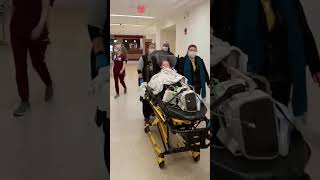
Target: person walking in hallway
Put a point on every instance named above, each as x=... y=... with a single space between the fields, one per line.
x=279 y=44
x=119 y=68
x=29 y=34
x=97 y=27
x=194 y=69
x=143 y=77
x=166 y=48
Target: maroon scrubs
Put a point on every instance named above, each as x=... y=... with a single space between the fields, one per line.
x=25 y=18
x=118 y=64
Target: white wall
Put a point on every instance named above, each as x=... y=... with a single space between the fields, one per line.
x=198 y=25
x=170 y=36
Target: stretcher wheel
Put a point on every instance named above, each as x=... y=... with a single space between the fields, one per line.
x=196 y=156
x=161 y=165
x=161 y=161
x=146 y=129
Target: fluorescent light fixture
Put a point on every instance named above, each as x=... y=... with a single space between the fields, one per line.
x=131 y=16
x=126 y=25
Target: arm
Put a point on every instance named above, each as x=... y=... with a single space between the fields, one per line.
x=44 y=13
x=313 y=60
x=36 y=32
x=124 y=63
x=140 y=67
x=206 y=72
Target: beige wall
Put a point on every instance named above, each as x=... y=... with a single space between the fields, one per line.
x=169 y=35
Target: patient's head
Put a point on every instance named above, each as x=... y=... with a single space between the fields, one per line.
x=164 y=63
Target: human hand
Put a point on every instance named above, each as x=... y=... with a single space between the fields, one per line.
x=36 y=32
x=97 y=45
x=316 y=78
x=140 y=81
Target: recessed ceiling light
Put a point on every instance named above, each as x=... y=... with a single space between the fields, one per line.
x=131 y=16
x=138 y=25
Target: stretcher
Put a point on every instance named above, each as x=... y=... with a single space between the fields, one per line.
x=192 y=128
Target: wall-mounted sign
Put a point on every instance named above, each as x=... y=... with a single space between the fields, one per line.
x=141 y=9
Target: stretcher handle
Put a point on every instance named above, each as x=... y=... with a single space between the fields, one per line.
x=229 y=93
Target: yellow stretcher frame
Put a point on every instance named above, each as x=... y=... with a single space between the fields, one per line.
x=162 y=124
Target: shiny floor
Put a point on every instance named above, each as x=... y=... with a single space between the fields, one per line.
x=132 y=155
x=58 y=140
x=131 y=149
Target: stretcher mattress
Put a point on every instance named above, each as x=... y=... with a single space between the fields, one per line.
x=178 y=113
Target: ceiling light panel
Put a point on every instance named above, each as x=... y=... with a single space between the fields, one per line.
x=131 y=16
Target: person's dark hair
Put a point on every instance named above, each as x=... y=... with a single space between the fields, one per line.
x=164 y=59
x=192 y=45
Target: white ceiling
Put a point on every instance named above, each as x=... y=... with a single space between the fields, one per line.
x=155 y=8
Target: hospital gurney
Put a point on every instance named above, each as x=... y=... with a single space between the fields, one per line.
x=172 y=121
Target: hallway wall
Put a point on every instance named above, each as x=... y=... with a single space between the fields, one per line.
x=169 y=35
x=198 y=32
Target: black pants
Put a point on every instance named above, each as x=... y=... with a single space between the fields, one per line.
x=21 y=46
x=146 y=108
x=101 y=118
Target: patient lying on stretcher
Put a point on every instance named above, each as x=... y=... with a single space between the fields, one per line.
x=167 y=76
x=171 y=88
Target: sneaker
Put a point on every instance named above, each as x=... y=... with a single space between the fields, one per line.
x=116 y=96
x=21 y=109
x=125 y=90
x=48 y=93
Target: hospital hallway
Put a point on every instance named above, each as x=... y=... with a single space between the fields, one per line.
x=57 y=140
x=131 y=148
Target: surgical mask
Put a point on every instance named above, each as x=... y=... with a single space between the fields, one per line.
x=165 y=48
x=151 y=51
x=192 y=54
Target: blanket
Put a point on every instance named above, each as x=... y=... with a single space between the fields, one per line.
x=166 y=76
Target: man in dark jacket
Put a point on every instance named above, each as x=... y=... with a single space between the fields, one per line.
x=97 y=30
x=278 y=41
x=142 y=68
